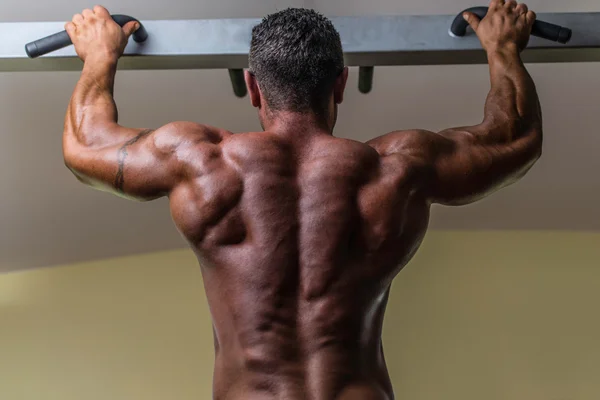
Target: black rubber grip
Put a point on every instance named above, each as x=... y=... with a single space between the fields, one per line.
x=365 y=79
x=238 y=82
x=541 y=29
x=61 y=39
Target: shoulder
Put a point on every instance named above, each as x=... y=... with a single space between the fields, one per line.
x=180 y=139
x=341 y=148
x=192 y=132
x=412 y=142
x=411 y=154
x=189 y=146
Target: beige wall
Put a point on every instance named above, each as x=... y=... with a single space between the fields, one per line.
x=477 y=315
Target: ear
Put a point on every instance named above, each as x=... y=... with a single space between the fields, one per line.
x=253 y=89
x=340 y=86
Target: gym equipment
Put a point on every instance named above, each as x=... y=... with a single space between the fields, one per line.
x=368 y=41
x=540 y=29
x=61 y=39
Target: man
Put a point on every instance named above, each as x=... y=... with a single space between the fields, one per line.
x=300 y=234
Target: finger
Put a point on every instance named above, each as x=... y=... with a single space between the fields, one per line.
x=87 y=14
x=101 y=12
x=77 y=19
x=472 y=19
x=70 y=28
x=130 y=27
x=531 y=17
x=522 y=9
x=497 y=3
x=510 y=4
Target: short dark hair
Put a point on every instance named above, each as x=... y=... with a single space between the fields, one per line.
x=296 y=57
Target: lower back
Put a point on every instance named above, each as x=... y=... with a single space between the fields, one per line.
x=336 y=372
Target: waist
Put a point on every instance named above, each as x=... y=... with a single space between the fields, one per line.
x=330 y=373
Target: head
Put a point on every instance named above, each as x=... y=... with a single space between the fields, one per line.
x=296 y=66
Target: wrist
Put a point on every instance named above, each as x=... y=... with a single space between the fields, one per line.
x=100 y=65
x=99 y=71
x=102 y=58
x=509 y=50
x=503 y=57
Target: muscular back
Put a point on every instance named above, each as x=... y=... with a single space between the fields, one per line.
x=299 y=241
x=299 y=234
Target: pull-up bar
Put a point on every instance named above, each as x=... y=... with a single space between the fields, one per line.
x=61 y=39
x=540 y=28
x=368 y=42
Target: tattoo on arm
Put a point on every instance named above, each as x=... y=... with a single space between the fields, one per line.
x=122 y=155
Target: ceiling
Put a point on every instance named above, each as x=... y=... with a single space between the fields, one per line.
x=48 y=218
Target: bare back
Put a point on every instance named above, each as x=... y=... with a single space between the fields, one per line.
x=299 y=243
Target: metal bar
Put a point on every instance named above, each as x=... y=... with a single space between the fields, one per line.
x=542 y=29
x=368 y=41
x=61 y=39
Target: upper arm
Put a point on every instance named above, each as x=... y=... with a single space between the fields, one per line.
x=462 y=165
x=139 y=164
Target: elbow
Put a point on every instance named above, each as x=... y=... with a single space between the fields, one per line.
x=537 y=153
x=74 y=164
x=537 y=144
x=70 y=160
x=531 y=139
x=78 y=175
x=531 y=156
x=70 y=150
x=75 y=146
x=73 y=152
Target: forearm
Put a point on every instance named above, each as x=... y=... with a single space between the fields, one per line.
x=512 y=108
x=92 y=112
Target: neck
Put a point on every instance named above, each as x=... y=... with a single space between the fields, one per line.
x=287 y=122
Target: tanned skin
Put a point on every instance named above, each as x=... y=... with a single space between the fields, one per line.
x=299 y=234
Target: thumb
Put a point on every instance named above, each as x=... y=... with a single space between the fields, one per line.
x=472 y=19
x=130 y=27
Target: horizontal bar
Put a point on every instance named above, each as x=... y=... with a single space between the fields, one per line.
x=367 y=41
x=61 y=39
